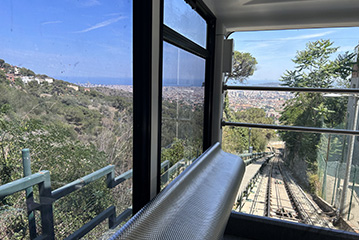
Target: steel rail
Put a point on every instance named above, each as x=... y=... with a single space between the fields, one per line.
x=277 y=192
x=348 y=91
x=254 y=203
x=293 y=128
x=308 y=202
x=268 y=194
x=295 y=204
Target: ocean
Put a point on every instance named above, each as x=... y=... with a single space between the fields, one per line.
x=167 y=82
x=97 y=80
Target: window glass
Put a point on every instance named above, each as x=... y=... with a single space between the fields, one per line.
x=66 y=94
x=320 y=164
x=179 y=16
x=182 y=107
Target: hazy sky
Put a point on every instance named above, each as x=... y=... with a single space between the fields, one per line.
x=93 y=38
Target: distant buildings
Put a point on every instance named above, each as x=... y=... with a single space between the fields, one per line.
x=76 y=88
x=10 y=77
x=27 y=79
x=13 y=72
x=271 y=102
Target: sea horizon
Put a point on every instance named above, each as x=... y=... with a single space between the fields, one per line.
x=168 y=82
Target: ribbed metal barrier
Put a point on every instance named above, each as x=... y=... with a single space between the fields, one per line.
x=196 y=205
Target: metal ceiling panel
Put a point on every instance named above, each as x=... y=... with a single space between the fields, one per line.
x=249 y=15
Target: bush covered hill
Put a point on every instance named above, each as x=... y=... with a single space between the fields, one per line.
x=70 y=131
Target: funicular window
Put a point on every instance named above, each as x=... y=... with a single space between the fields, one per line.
x=66 y=95
x=185 y=74
x=316 y=161
x=179 y=16
x=182 y=107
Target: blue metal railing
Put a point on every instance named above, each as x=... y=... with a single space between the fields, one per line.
x=42 y=179
x=48 y=197
x=173 y=171
x=249 y=158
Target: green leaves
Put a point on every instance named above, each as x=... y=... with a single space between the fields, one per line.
x=316 y=67
x=175 y=152
x=244 y=65
x=2 y=76
x=236 y=140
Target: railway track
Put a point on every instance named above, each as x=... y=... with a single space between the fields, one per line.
x=275 y=194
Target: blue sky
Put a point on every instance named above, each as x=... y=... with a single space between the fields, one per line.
x=275 y=49
x=68 y=38
x=71 y=39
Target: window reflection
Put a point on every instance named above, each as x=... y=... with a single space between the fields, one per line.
x=182 y=105
x=179 y=16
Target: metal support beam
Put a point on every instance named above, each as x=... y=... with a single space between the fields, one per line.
x=209 y=85
x=147 y=69
x=349 y=162
x=217 y=104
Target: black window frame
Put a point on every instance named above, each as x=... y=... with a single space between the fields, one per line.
x=143 y=81
x=173 y=37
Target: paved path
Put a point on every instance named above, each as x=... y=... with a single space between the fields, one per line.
x=251 y=170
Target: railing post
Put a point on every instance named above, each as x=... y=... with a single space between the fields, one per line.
x=47 y=219
x=351 y=197
x=110 y=179
x=324 y=185
x=26 y=162
x=335 y=183
x=165 y=176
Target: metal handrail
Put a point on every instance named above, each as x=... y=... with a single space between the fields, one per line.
x=42 y=179
x=256 y=157
x=349 y=91
x=23 y=183
x=293 y=128
x=169 y=171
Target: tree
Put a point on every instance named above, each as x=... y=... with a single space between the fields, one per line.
x=236 y=140
x=244 y=65
x=26 y=72
x=19 y=82
x=2 y=76
x=7 y=67
x=2 y=62
x=314 y=68
x=175 y=152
